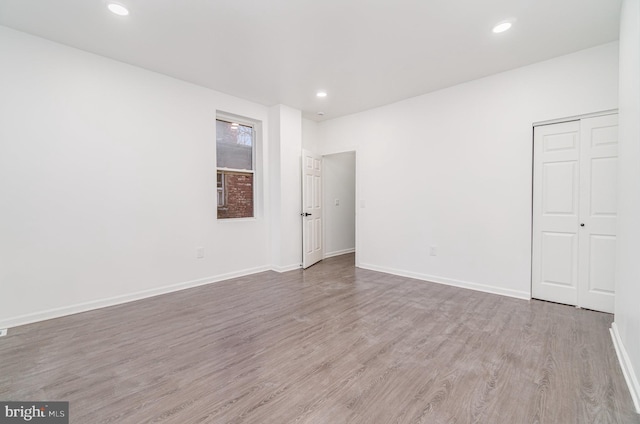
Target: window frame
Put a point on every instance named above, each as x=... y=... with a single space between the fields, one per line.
x=255 y=134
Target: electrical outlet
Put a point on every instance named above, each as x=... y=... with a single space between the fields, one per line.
x=200 y=252
x=433 y=250
x=3 y=332
x=337 y=202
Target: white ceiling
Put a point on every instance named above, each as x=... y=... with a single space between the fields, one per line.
x=364 y=53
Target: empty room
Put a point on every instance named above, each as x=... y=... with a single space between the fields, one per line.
x=351 y=211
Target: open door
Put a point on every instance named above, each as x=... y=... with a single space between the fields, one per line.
x=311 y=208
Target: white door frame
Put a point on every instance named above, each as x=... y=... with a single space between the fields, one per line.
x=359 y=203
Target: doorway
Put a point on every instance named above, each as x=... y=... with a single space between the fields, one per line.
x=339 y=199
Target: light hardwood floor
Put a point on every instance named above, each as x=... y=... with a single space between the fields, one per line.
x=333 y=344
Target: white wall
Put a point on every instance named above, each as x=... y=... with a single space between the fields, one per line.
x=286 y=187
x=339 y=178
x=627 y=307
x=453 y=169
x=310 y=135
x=107 y=181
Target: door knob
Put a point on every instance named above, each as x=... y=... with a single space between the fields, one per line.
x=305 y=214
x=582 y=224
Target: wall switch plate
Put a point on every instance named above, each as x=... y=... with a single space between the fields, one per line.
x=433 y=250
x=337 y=202
x=363 y=204
x=3 y=332
x=200 y=252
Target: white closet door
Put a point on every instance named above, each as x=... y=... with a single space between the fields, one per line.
x=598 y=212
x=575 y=212
x=556 y=212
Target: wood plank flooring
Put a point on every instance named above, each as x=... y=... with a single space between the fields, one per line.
x=331 y=345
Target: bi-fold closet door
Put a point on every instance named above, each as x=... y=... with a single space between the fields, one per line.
x=575 y=212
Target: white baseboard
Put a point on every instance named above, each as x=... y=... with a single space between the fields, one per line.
x=286 y=268
x=117 y=300
x=627 y=367
x=339 y=252
x=450 y=282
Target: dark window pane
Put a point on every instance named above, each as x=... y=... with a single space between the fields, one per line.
x=234 y=145
x=237 y=193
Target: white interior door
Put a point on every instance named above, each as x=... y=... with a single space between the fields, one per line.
x=574 y=212
x=556 y=152
x=598 y=212
x=311 y=208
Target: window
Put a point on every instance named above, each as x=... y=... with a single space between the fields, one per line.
x=221 y=201
x=235 y=151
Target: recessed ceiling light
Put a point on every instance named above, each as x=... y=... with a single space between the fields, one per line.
x=118 y=9
x=502 y=27
x=321 y=94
